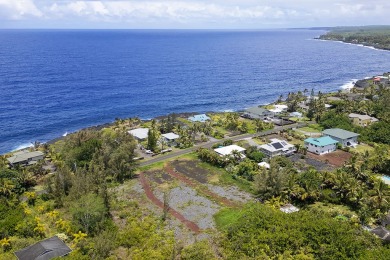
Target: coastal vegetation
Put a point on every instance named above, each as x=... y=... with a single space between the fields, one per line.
x=375 y=36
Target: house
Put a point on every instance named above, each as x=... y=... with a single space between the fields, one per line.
x=139 y=133
x=345 y=138
x=296 y=114
x=362 y=120
x=170 y=138
x=321 y=145
x=228 y=150
x=199 y=118
x=278 y=109
x=44 y=250
x=257 y=113
x=277 y=147
x=25 y=158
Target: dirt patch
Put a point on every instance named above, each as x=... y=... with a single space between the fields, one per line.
x=310 y=162
x=159 y=177
x=148 y=191
x=230 y=192
x=173 y=172
x=191 y=170
x=192 y=205
x=337 y=158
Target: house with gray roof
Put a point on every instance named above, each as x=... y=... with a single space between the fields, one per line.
x=25 y=158
x=343 y=137
x=362 y=120
x=277 y=147
x=257 y=113
x=44 y=250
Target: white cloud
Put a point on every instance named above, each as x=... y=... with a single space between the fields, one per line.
x=236 y=13
x=18 y=9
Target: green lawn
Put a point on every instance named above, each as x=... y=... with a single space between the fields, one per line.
x=362 y=148
x=309 y=129
x=226 y=216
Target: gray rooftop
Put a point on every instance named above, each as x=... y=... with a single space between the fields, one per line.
x=23 y=156
x=44 y=250
x=339 y=133
x=257 y=110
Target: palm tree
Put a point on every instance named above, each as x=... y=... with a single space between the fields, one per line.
x=380 y=197
x=6 y=187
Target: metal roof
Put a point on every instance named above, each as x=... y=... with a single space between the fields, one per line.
x=140 y=133
x=339 y=133
x=23 y=156
x=199 y=118
x=229 y=149
x=44 y=250
x=170 y=136
x=321 y=141
x=257 y=110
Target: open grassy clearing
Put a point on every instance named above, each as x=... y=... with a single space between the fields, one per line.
x=362 y=148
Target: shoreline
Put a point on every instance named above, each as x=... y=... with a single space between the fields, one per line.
x=353 y=43
x=345 y=87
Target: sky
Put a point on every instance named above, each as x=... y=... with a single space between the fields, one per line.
x=191 y=14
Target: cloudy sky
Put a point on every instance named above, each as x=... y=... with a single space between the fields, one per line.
x=212 y=14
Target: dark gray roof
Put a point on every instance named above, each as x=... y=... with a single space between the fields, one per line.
x=339 y=133
x=44 y=250
x=382 y=233
x=257 y=110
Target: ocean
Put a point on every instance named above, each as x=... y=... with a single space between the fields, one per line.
x=58 y=81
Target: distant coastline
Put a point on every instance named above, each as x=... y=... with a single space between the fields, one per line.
x=376 y=37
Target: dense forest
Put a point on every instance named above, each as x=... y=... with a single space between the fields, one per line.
x=375 y=36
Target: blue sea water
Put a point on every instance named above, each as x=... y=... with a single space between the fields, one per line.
x=57 y=81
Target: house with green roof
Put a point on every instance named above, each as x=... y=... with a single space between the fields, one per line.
x=344 y=137
x=321 y=145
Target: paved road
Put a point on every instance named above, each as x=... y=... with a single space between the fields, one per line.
x=210 y=144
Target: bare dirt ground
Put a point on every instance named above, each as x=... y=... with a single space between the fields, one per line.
x=337 y=158
x=191 y=170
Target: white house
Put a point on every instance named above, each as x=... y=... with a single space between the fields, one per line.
x=228 y=150
x=321 y=145
x=345 y=138
x=170 y=138
x=277 y=147
x=25 y=158
x=139 y=133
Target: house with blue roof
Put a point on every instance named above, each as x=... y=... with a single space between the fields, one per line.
x=321 y=145
x=199 y=118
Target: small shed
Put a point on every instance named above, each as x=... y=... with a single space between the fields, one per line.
x=264 y=165
x=44 y=250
